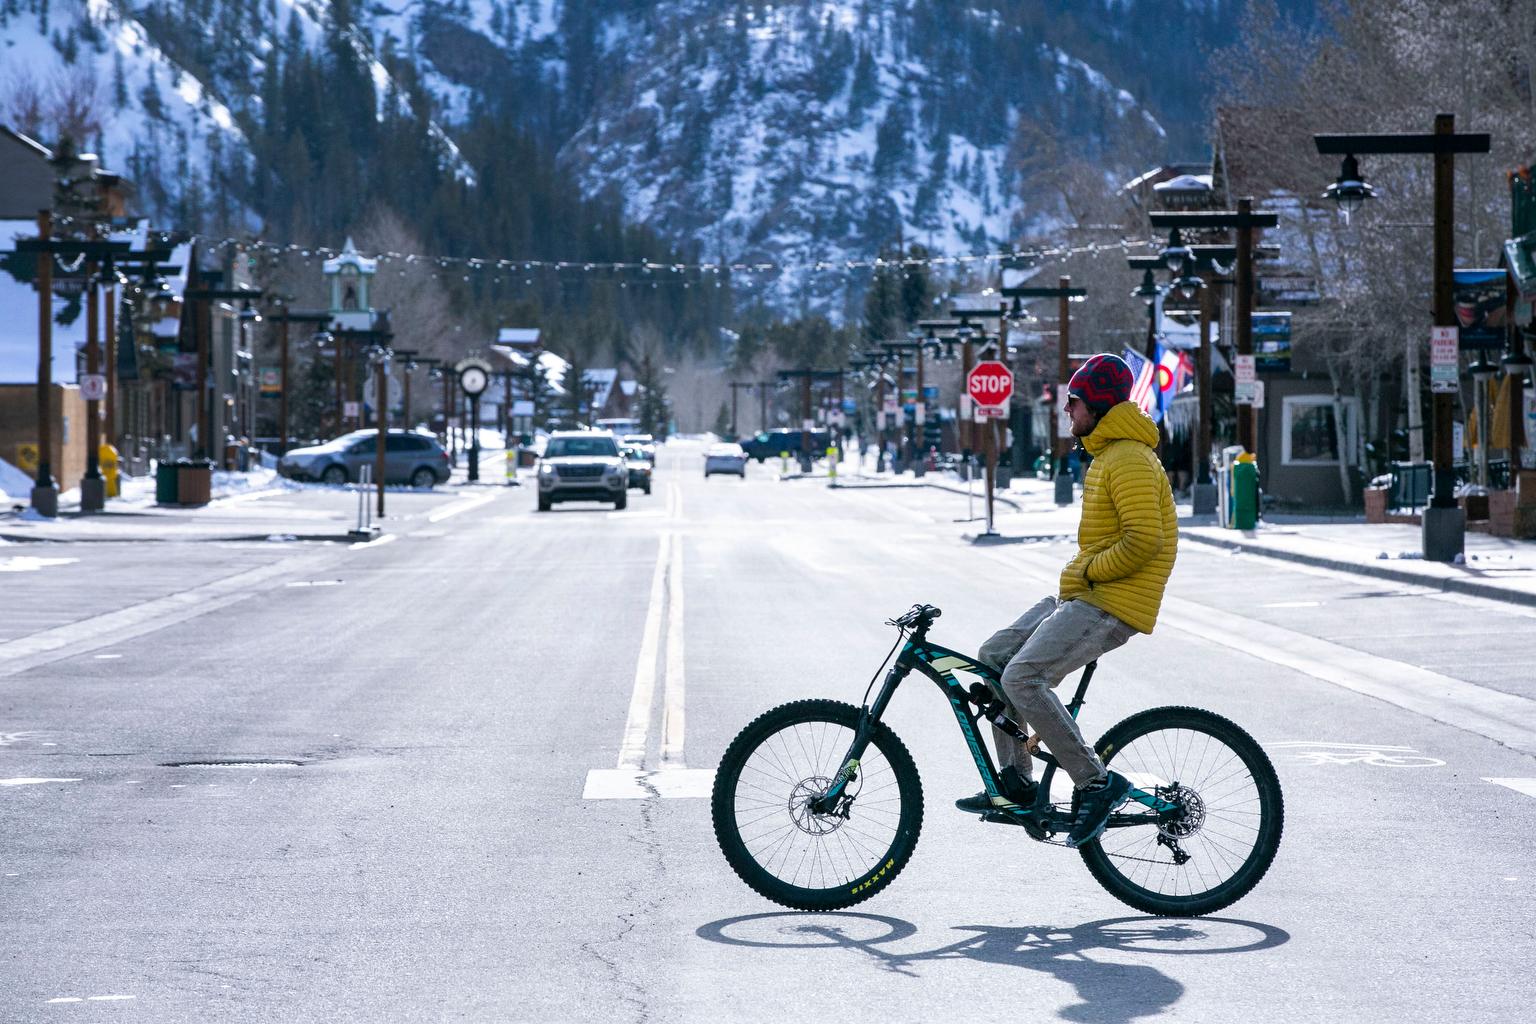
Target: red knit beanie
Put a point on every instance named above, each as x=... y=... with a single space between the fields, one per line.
x=1102 y=382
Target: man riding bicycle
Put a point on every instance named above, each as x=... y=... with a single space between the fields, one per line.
x=1111 y=589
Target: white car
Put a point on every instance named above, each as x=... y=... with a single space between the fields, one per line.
x=582 y=465
x=725 y=457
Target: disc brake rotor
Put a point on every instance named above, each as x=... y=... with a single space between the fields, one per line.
x=800 y=812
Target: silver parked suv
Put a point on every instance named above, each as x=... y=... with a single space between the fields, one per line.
x=582 y=465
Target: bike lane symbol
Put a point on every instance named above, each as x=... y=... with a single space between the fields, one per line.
x=1375 y=755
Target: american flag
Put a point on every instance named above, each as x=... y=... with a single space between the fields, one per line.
x=1144 y=390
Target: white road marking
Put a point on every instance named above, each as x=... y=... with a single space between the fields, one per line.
x=668 y=784
x=107 y=657
x=449 y=511
x=672 y=700
x=27 y=563
x=89 y=999
x=638 y=722
x=111 y=628
x=33 y=782
x=631 y=780
x=1502 y=717
x=1526 y=786
x=314 y=583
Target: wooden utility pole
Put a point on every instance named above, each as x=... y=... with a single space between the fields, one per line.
x=47 y=502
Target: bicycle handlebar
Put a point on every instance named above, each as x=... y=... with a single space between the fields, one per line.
x=919 y=616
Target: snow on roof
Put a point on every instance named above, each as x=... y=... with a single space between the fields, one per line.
x=525 y=336
x=553 y=366
x=1185 y=183
x=350 y=257
x=604 y=377
x=627 y=388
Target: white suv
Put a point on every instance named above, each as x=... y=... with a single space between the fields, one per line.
x=582 y=465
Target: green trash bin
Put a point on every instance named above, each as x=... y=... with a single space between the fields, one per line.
x=1245 y=493
x=165 y=482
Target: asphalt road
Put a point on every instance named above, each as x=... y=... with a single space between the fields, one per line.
x=427 y=808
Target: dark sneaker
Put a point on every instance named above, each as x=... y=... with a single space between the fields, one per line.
x=1095 y=805
x=1017 y=793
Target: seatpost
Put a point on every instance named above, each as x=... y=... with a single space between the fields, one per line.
x=1082 y=688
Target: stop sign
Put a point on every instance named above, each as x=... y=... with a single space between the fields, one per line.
x=989 y=383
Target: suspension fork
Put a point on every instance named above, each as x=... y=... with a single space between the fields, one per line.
x=830 y=802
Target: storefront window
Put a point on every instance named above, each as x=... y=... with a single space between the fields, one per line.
x=1310 y=438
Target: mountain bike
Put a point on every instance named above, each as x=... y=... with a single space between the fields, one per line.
x=817 y=804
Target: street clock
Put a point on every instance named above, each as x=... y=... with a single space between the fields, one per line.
x=474 y=375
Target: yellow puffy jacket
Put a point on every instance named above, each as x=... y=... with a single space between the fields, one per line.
x=1129 y=532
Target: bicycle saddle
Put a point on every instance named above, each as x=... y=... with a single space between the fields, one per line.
x=919 y=615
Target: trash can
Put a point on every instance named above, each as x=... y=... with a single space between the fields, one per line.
x=165 y=482
x=1245 y=492
x=194 y=481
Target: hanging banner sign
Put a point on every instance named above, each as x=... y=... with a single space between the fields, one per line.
x=892 y=405
x=1480 y=312
x=1272 y=342
x=271 y=380
x=1443 y=360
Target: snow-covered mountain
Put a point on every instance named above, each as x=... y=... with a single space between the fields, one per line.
x=825 y=130
x=794 y=131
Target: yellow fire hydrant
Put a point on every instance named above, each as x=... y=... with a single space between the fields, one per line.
x=106 y=458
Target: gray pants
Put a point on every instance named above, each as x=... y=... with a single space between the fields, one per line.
x=1051 y=640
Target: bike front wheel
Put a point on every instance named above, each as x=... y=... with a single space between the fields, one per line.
x=763 y=790
x=1227 y=831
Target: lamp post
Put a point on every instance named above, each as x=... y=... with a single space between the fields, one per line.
x=379 y=356
x=736 y=386
x=1064 y=293
x=147 y=264
x=1443 y=524
x=807 y=424
x=1244 y=220
x=285 y=317
x=202 y=314
x=45 y=493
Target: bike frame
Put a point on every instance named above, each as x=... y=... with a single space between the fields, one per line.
x=940 y=664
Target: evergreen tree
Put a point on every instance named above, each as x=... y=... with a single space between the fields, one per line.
x=722 y=426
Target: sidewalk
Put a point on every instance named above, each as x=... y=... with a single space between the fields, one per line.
x=1494 y=567
x=246 y=507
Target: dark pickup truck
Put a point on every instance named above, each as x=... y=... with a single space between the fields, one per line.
x=770 y=444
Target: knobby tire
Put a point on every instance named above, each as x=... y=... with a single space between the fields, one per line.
x=768 y=751
x=1262 y=815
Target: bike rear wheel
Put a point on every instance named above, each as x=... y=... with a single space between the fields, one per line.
x=761 y=807
x=1230 y=829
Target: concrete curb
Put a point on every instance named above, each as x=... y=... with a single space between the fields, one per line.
x=1470 y=587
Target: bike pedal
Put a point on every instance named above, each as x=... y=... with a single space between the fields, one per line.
x=1025 y=821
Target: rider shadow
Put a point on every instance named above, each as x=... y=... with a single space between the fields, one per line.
x=1109 y=993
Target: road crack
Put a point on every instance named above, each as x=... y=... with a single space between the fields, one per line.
x=642 y=897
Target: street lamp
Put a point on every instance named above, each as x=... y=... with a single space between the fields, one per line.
x=1350 y=190
x=1061 y=447
x=1176 y=255
x=1443 y=524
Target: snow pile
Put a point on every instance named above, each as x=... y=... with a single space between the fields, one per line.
x=14 y=483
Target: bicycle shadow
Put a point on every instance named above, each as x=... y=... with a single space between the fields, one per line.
x=1108 y=992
